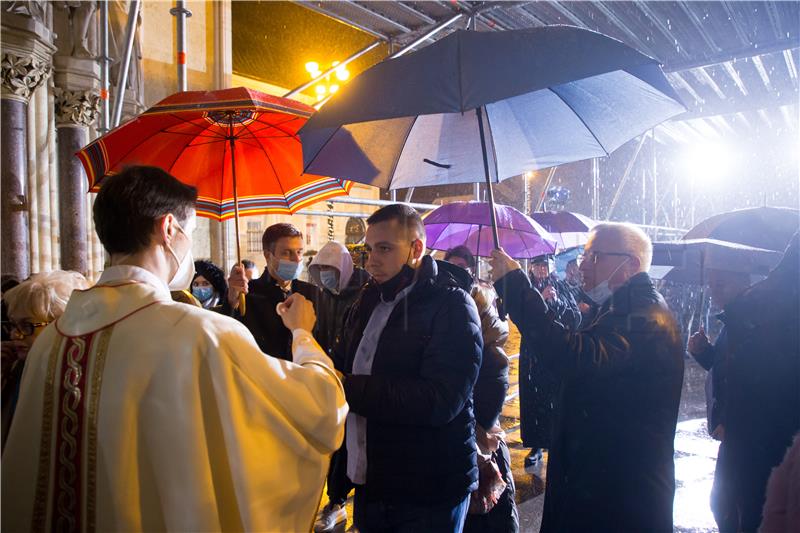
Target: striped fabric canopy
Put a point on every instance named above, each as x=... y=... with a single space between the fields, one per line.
x=191 y=135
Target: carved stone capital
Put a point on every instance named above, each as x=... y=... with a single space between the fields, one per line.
x=76 y=108
x=21 y=75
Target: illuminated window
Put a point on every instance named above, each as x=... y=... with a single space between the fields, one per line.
x=254 y=236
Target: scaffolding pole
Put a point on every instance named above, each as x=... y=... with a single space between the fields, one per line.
x=596 y=188
x=181 y=14
x=625 y=177
x=547 y=182
x=105 y=111
x=427 y=35
x=122 y=82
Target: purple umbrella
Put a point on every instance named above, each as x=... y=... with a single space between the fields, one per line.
x=469 y=224
x=569 y=229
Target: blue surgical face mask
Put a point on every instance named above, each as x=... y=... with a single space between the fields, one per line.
x=289 y=270
x=329 y=280
x=203 y=294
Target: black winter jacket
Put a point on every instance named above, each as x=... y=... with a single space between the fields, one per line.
x=418 y=398
x=611 y=463
x=332 y=309
x=262 y=319
x=763 y=386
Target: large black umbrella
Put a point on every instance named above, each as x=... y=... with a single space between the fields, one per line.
x=763 y=227
x=478 y=106
x=688 y=261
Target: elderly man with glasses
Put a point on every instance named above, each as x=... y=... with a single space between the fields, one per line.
x=611 y=463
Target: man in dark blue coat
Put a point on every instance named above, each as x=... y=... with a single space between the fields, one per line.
x=412 y=349
x=762 y=390
x=610 y=466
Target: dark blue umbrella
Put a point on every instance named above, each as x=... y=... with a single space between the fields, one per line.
x=688 y=261
x=496 y=103
x=762 y=227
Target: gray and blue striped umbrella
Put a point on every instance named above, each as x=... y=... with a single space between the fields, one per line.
x=478 y=106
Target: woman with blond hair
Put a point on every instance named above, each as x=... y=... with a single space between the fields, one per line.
x=32 y=305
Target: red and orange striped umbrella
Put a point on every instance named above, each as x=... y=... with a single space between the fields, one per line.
x=233 y=144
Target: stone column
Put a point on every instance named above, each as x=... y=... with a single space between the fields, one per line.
x=76 y=105
x=21 y=75
x=27 y=50
x=75 y=111
x=14 y=259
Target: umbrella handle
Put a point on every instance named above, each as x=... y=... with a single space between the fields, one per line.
x=492 y=213
x=231 y=138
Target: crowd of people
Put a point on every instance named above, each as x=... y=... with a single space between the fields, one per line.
x=173 y=396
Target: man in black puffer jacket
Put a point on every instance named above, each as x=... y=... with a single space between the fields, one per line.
x=412 y=349
x=611 y=463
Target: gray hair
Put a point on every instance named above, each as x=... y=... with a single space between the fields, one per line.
x=628 y=239
x=43 y=297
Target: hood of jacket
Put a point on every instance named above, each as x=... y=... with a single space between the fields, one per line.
x=336 y=255
x=453 y=275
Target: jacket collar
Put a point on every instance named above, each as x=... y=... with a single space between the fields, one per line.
x=629 y=294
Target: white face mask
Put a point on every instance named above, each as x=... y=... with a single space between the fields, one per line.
x=602 y=292
x=183 y=276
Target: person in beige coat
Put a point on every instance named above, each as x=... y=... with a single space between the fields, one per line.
x=138 y=413
x=782 y=507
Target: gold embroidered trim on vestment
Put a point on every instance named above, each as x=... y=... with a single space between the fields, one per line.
x=43 y=475
x=91 y=440
x=67 y=453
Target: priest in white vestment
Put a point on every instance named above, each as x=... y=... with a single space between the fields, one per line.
x=137 y=413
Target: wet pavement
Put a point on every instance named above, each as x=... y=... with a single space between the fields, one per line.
x=695 y=458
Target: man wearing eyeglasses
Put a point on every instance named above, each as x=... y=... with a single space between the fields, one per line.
x=611 y=462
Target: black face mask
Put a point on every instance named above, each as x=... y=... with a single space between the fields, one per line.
x=400 y=281
x=390 y=288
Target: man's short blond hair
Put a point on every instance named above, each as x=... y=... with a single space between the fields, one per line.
x=626 y=238
x=43 y=297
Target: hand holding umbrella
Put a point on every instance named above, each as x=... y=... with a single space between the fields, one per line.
x=238 y=147
x=237 y=286
x=502 y=264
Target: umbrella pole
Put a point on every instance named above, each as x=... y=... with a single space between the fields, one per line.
x=242 y=305
x=478 y=256
x=493 y=215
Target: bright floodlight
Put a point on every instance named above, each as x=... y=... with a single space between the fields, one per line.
x=313 y=68
x=707 y=162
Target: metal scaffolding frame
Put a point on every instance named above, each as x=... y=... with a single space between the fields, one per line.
x=181 y=14
x=122 y=82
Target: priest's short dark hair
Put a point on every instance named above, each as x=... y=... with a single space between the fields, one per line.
x=129 y=205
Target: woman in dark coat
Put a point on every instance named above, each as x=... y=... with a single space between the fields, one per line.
x=209 y=285
x=489 y=396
